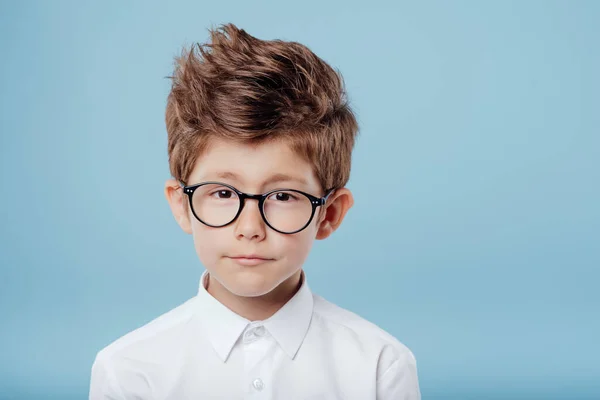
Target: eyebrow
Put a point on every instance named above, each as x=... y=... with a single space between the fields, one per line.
x=276 y=178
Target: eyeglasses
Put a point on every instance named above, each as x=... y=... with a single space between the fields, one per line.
x=288 y=211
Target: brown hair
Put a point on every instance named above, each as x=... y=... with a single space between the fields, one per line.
x=242 y=88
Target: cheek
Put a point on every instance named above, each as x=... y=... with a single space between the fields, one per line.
x=295 y=248
x=208 y=243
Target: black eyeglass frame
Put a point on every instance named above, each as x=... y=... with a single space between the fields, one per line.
x=314 y=201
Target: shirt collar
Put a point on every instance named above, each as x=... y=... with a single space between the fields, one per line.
x=288 y=325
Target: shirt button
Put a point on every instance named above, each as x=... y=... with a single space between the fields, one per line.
x=249 y=337
x=259 y=331
x=258 y=384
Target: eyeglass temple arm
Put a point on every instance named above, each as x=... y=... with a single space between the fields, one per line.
x=327 y=194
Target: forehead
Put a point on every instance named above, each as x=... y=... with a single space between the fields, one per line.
x=252 y=164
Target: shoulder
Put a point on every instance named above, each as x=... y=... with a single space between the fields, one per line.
x=121 y=369
x=156 y=335
x=391 y=352
x=346 y=319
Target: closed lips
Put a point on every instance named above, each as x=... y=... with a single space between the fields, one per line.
x=251 y=257
x=250 y=260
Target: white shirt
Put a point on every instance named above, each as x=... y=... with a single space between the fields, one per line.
x=309 y=349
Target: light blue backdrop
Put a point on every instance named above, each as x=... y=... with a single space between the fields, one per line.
x=475 y=234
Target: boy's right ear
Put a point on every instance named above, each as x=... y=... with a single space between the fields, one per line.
x=178 y=202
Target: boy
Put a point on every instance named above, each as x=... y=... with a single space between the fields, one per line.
x=260 y=139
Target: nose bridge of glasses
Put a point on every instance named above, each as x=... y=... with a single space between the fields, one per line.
x=246 y=196
x=257 y=197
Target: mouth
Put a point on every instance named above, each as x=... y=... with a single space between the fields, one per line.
x=250 y=260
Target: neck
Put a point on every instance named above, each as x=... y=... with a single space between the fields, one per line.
x=256 y=308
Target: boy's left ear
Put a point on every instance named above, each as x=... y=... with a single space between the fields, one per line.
x=338 y=204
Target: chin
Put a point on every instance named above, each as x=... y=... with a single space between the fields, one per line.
x=248 y=289
x=249 y=283
x=251 y=292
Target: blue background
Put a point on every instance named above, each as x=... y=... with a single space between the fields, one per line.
x=475 y=234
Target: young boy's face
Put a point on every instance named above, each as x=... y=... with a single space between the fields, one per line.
x=250 y=169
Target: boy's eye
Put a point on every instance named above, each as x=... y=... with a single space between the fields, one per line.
x=282 y=196
x=222 y=194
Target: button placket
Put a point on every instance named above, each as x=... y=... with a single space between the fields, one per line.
x=257 y=346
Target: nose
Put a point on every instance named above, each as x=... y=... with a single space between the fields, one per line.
x=249 y=223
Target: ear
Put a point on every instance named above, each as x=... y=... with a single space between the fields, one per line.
x=338 y=204
x=179 y=206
